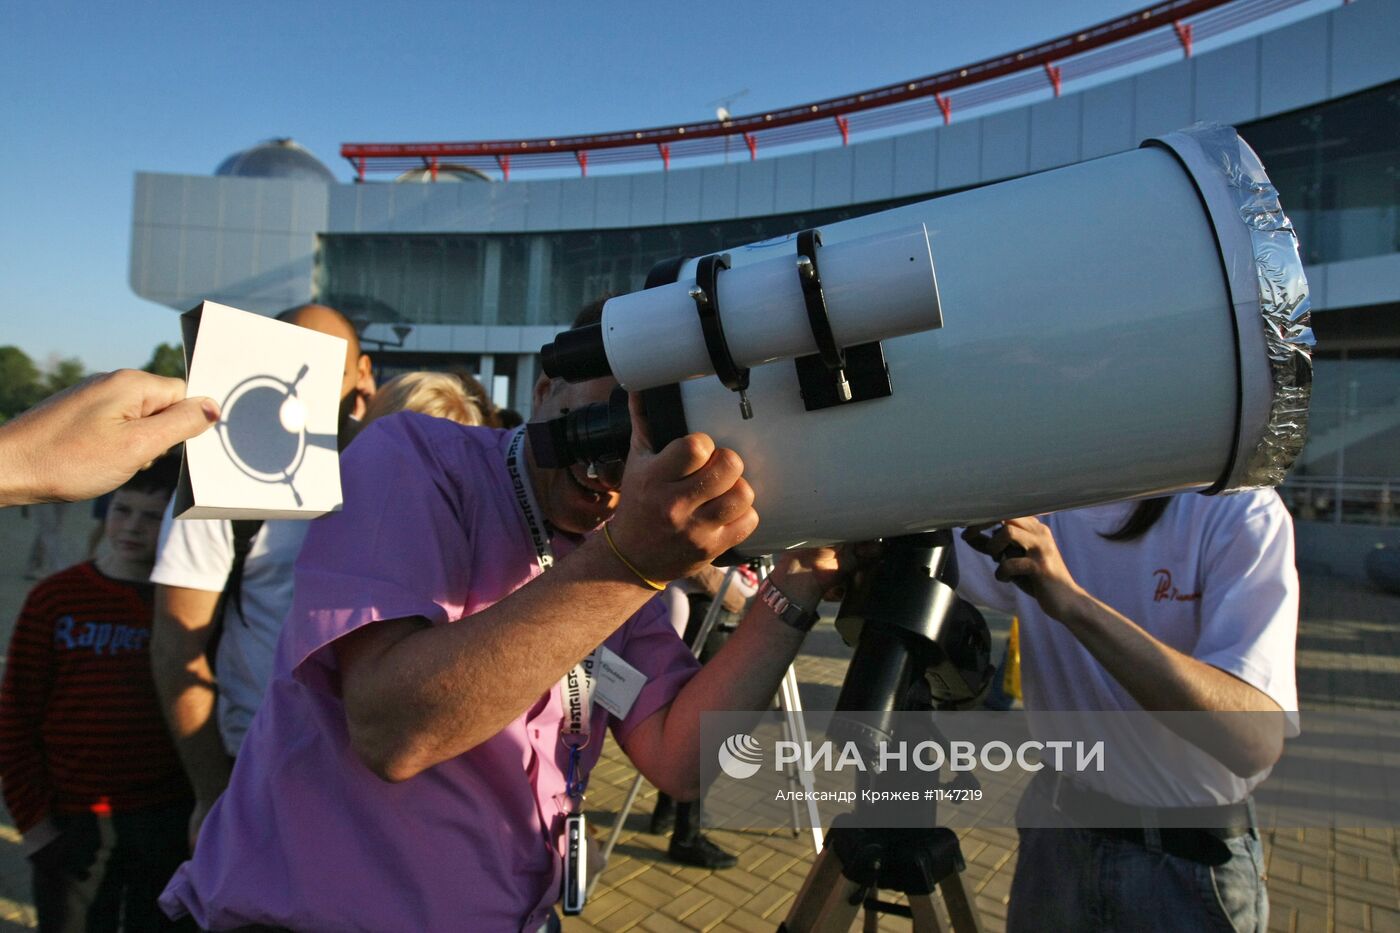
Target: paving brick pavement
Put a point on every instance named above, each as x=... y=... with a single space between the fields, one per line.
x=1319 y=880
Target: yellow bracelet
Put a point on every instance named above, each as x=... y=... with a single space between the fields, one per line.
x=607 y=533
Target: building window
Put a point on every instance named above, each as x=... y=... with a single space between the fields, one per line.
x=1337 y=170
x=1349 y=470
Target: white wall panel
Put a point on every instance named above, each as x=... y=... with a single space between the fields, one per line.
x=682 y=196
x=1293 y=66
x=577 y=203
x=168 y=199
x=272 y=255
x=613 y=207
x=648 y=205
x=242 y=203
x=960 y=154
x=1163 y=101
x=202 y=207
x=274 y=202
x=833 y=171
x=310 y=207
x=236 y=262
x=141 y=198
x=1055 y=132
x=916 y=163
x=375 y=206
x=719 y=191
x=1365 y=46
x=1227 y=84
x=1006 y=144
x=793 y=189
x=442 y=209
x=341 y=211
x=199 y=260
x=542 y=210
x=872 y=171
x=757 y=187
x=163 y=261
x=1108 y=119
x=507 y=203
x=138 y=263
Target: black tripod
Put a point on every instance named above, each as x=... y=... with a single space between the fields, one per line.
x=917 y=647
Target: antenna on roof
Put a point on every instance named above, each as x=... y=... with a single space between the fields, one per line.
x=722 y=105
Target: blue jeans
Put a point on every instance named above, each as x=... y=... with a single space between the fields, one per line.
x=1079 y=879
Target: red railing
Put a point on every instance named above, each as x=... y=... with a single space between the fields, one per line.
x=1152 y=31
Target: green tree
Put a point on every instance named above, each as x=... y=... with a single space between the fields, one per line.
x=167 y=360
x=62 y=374
x=20 y=384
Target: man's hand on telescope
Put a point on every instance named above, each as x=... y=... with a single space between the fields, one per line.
x=1027 y=555
x=681 y=506
x=810 y=575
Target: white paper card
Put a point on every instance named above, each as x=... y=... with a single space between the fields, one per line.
x=273 y=452
x=616 y=683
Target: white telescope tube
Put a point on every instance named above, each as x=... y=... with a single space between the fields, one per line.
x=1130 y=326
x=876 y=287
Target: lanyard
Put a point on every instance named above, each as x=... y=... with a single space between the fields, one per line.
x=525 y=498
x=577 y=685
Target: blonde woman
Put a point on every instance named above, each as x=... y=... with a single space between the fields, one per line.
x=436 y=394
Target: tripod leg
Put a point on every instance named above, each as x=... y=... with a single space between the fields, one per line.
x=788 y=769
x=791 y=699
x=961 y=912
x=824 y=903
x=707 y=624
x=925 y=917
x=597 y=872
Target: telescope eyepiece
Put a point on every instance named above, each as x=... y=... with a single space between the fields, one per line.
x=576 y=355
x=600 y=433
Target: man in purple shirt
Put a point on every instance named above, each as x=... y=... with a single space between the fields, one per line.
x=414 y=761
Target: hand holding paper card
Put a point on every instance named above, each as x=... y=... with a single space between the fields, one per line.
x=274 y=452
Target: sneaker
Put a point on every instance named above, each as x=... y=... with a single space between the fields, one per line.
x=701 y=853
x=663 y=818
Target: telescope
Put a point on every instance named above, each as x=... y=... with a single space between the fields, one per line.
x=1130 y=326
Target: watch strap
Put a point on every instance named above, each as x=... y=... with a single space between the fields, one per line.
x=792 y=615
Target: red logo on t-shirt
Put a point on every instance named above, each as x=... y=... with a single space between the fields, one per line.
x=1166 y=590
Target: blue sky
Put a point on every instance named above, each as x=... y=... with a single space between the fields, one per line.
x=96 y=91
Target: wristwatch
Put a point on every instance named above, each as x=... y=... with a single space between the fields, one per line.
x=793 y=615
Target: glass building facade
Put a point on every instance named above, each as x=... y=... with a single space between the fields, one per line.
x=1336 y=165
x=525 y=278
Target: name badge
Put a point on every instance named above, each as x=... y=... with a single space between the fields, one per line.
x=616 y=683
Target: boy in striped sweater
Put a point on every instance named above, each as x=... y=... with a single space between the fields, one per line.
x=90 y=775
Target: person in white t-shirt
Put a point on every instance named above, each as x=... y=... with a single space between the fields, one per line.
x=1186 y=603
x=193 y=564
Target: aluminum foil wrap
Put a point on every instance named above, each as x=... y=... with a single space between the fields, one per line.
x=1284 y=308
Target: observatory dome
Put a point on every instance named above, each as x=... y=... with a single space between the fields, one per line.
x=276 y=158
x=447 y=171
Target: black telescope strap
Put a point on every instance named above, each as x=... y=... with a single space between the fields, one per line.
x=662 y=405
x=706 y=297
x=833 y=356
x=665 y=272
